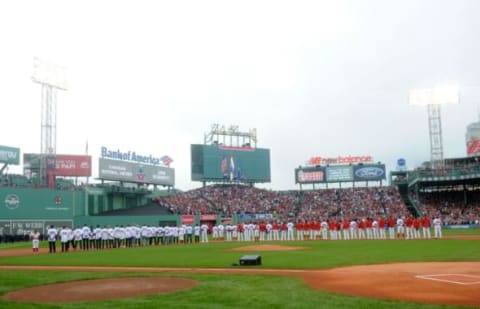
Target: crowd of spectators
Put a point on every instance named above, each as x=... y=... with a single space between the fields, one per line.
x=354 y=202
x=454 y=207
x=359 y=202
x=451 y=167
x=324 y=203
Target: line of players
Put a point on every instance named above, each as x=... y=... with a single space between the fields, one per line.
x=87 y=238
x=367 y=228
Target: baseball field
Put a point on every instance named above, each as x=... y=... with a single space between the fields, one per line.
x=435 y=273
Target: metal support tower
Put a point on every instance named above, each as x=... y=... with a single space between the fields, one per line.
x=52 y=78
x=48 y=138
x=433 y=98
x=436 y=139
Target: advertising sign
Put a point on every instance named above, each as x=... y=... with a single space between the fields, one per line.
x=208 y=217
x=473 y=147
x=60 y=164
x=9 y=155
x=310 y=175
x=339 y=160
x=25 y=227
x=339 y=173
x=72 y=165
x=188 y=219
x=135 y=172
x=374 y=172
x=134 y=156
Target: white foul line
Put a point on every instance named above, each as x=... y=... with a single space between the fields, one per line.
x=432 y=277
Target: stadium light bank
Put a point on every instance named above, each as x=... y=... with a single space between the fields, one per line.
x=434 y=98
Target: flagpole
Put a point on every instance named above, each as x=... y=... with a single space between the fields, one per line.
x=86 y=153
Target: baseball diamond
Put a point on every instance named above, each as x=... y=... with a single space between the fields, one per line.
x=394 y=281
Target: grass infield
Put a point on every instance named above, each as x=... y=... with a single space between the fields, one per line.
x=237 y=291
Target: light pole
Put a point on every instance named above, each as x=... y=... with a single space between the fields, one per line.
x=51 y=78
x=434 y=98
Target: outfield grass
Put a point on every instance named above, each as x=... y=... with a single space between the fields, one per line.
x=238 y=291
x=213 y=291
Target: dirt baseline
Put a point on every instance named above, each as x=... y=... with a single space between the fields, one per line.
x=452 y=283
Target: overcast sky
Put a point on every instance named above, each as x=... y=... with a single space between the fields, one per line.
x=315 y=78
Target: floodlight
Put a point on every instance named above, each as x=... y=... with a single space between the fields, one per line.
x=49 y=74
x=433 y=98
x=438 y=95
x=421 y=97
x=446 y=94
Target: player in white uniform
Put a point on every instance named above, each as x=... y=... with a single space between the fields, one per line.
x=144 y=232
x=228 y=232
x=104 y=235
x=290 y=227
x=85 y=237
x=52 y=238
x=256 y=232
x=35 y=237
x=196 y=233
x=181 y=235
x=204 y=233
x=400 y=228
x=128 y=236
x=324 y=228
x=234 y=232
x=437 y=226
x=214 y=232
x=375 y=232
x=188 y=234
x=353 y=229
x=65 y=238
x=98 y=237
x=221 y=232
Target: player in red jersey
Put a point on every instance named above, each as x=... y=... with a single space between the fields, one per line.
x=426 y=227
x=299 y=228
x=409 y=227
x=346 y=229
x=391 y=227
x=416 y=228
x=381 y=228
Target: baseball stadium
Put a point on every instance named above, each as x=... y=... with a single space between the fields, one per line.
x=350 y=236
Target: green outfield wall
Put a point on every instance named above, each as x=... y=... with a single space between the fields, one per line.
x=25 y=209
x=30 y=203
x=171 y=220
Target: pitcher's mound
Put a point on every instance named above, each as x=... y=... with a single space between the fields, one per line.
x=99 y=289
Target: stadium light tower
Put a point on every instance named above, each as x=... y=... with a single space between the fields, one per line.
x=52 y=78
x=434 y=98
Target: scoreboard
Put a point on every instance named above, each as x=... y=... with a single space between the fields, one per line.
x=227 y=163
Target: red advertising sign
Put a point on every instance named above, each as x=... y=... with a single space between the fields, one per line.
x=188 y=219
x=339 y=160
x=227 y=220
x=73 y=165
x=473 y=147
x=208 y=217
